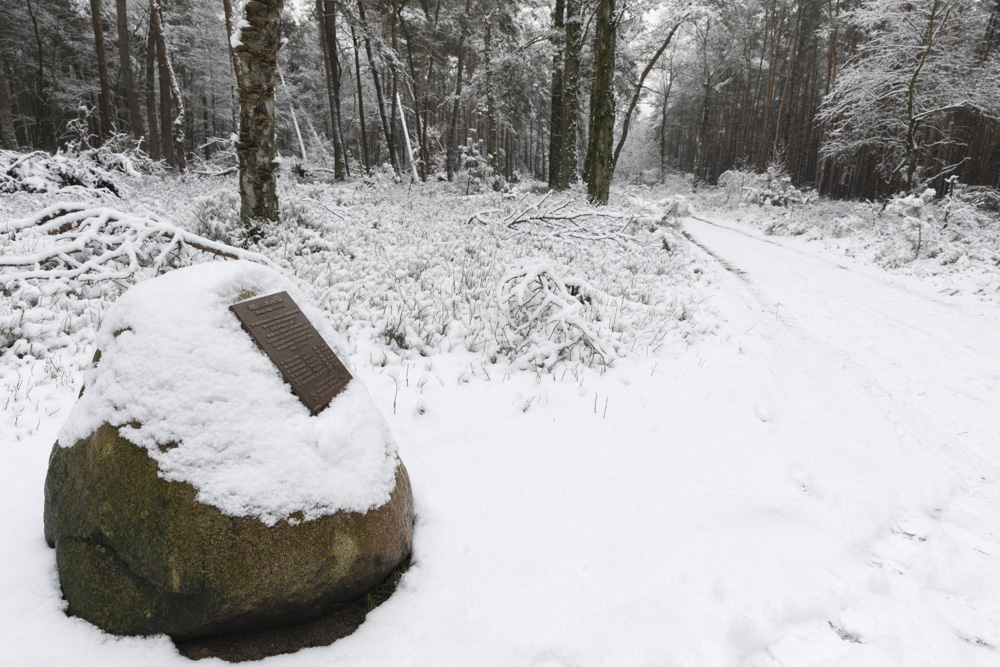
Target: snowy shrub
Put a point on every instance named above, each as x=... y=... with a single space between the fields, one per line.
x=772 y=188
x=920 y=230
x=377 y=183
x=675 y=207
x=911 y=206
x=543 y=319
x=479 y=174
x=404 y=273
x=217 y=217
x=77 y=167
x=220 y=159
x=41 y=172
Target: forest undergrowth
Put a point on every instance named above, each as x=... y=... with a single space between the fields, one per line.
x=518 y=281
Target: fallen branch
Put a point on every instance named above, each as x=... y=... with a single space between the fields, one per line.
x=224 y=172
x=563 y=219
x=93 y=244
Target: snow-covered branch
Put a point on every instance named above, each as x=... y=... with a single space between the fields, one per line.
x=90 y=244
x=563 y=218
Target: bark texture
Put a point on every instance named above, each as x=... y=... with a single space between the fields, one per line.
x=327 y=10
x=256 y=146
x=556 y=108
x=104 y=100
x=7 y=137
x=453 y=165
x=568 y=157
x=153 y=145
x=128 y=82
x=599 y=164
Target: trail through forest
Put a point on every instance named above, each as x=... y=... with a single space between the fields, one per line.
x=931 y=367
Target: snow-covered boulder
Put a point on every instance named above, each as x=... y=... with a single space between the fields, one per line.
x=190 y=492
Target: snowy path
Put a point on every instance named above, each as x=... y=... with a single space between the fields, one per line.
x=814 y=484
x=933 y=369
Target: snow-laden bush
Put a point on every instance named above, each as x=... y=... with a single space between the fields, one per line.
x=77 y=168
x=674 y=208
x=217 y=217
x=911 y=206
x=478 y=173
x=543 y=319
x=772 y=188
x=42 y=172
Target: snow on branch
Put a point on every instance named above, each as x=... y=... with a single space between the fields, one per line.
x=563 y=218
x=89 y=244
x=543 y=319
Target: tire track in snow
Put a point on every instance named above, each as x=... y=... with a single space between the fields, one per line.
x=739 y=273
x=914 y=559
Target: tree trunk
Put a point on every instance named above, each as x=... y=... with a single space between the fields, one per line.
x=452 y=157
x=663 y=123
x=491 y=107
x=256 y=147
x=769 y=94
x=366 y=165
x=598 y=165
x=104 y=99
x=379 y=96
x=638 y=91
x=170 y=95
x=153 y=145
x=327 y=11
x=164 y=80
x=556 y=105
x=44 y=124
x=394 y=93
x=227 y=10
x=790 y=75
x=417 y=99
x=131 y=98
x=7 y=137
x=570 y=121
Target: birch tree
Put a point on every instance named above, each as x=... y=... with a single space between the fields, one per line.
x=257 y=43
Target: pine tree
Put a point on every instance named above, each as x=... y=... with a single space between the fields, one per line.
x=599 y=164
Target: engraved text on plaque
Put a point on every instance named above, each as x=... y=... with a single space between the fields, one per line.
x=284 y=334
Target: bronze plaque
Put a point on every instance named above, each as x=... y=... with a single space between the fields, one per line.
x=289 y=340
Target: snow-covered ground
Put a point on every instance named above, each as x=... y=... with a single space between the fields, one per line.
x=799 y=467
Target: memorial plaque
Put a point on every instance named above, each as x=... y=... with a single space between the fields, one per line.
x=289 y=340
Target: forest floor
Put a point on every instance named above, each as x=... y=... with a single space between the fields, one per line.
x=792 y=460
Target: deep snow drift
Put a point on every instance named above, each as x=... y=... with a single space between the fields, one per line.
x=798 y=467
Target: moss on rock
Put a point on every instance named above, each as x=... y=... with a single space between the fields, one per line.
x=139 y=555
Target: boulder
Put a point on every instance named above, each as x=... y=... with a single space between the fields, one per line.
x=191 y=493
x=138 y=555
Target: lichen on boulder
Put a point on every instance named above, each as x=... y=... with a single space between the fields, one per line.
x=148 y=542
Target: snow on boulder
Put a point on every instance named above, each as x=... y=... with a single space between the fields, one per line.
x=191 y=493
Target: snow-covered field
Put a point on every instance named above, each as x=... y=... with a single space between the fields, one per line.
x=725 y=447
